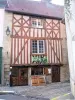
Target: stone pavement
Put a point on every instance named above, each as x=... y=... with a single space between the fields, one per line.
x=67 y=96
x=49 y=91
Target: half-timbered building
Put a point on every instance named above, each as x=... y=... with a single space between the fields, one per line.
x=34 y=51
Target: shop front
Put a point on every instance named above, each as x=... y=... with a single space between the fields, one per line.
x=34 y=76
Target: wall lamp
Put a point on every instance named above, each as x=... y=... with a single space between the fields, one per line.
x=7 y=31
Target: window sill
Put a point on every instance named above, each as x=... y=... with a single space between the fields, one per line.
x=35 y=54
x=37 y=27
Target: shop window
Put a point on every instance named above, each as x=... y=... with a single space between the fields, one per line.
x=14 y=72
x=38 y=46
x=37 y=71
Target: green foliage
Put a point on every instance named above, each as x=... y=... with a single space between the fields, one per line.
x=34 y=59
x=41 y=60
x=44 y=59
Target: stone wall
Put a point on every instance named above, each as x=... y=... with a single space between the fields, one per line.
x=6 y=49
x=64 y=70
x=48 y=79
x=64 y=73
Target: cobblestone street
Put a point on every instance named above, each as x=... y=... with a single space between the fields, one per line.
x=48 y=92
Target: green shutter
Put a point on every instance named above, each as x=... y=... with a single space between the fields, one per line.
x=0 y=63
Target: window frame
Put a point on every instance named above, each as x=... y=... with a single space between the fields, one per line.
x=44 y=49
x=37 y=23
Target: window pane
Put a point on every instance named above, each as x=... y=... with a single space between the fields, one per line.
x=41 y=46
x=39 y=23
x=34 y=23
x=14 y=72
x=34 y=46
x=37 y=71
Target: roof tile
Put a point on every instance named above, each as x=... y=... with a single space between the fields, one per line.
x=35 y=8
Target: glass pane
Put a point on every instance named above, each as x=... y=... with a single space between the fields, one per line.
x=37 y=71
x=41 y=46
x=34 y=46
x=14 y=72
x=39 y=23
x=34 y=23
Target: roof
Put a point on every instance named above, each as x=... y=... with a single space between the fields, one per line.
x=39 y=8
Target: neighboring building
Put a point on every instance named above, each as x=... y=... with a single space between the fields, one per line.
x=34 y=45
x=2 y=3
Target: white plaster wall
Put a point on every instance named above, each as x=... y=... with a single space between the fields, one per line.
x=70 y=30
x=1 y=26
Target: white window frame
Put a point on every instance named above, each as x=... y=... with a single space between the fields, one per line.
x=38 y=47
x=37 y=26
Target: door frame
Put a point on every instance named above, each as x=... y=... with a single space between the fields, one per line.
x=21 y=76
x=56 y=74
x=13 y=78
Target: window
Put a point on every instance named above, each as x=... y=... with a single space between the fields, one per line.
x=37 y=23
x=34 y=23
x=14 y=72
x=37 y=71
x=38 y=46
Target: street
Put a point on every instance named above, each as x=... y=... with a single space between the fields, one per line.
x=49 y=91
x=16 y=97
x=11 y=97
x=54 y=91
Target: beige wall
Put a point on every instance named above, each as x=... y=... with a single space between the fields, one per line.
x=7 y=51
x=64 y=70
x=6 y=48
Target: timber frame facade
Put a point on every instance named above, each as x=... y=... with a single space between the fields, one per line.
x=34 y=36
x=23 y=33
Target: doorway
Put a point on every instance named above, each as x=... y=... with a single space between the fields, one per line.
x=55 y=74
x=23 y=76
x=19 y=76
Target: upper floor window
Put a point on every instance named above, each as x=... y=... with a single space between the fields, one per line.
x=38 y=23
x=38 y=46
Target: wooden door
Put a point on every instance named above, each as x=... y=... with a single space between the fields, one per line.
x=38 y=80
x=56 y=74
x=23 y=76
x=14 y=76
